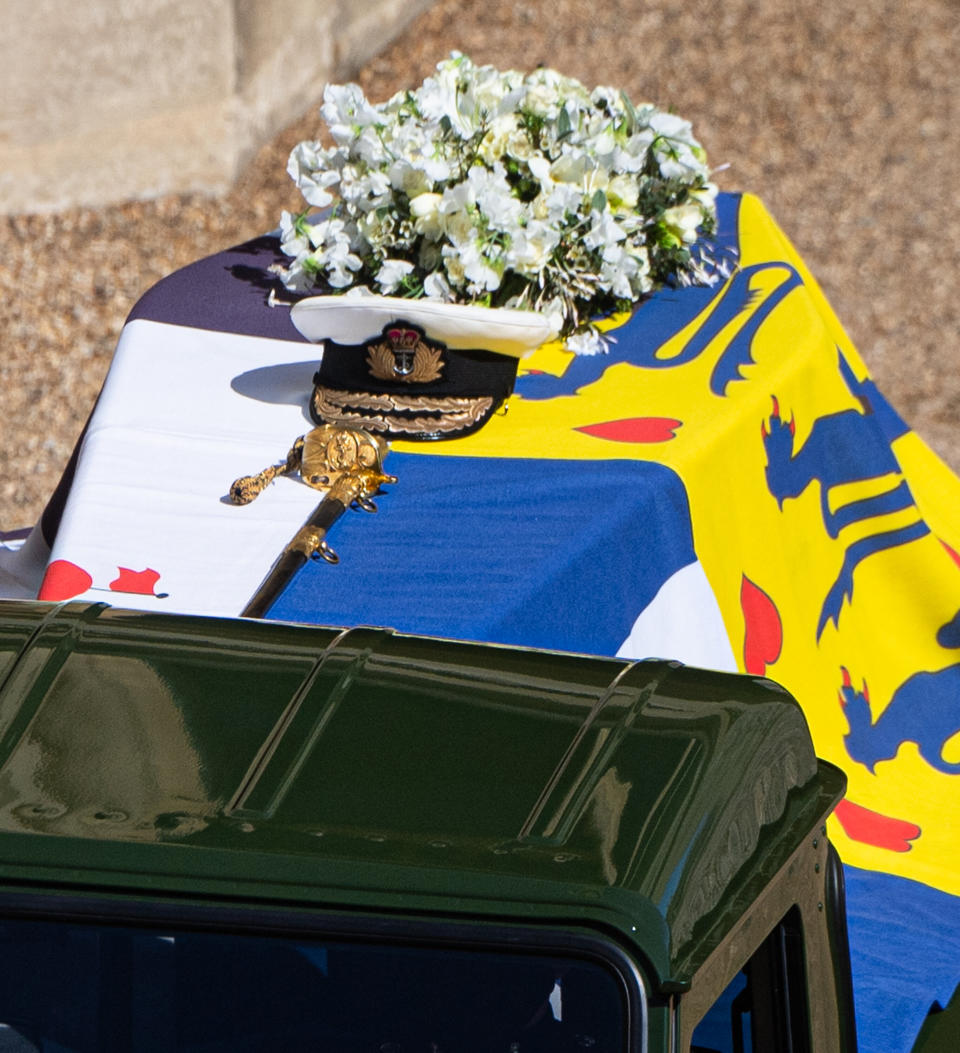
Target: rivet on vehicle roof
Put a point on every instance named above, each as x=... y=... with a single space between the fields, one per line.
x=439 y=844
x=115 y=816
x=41 y=811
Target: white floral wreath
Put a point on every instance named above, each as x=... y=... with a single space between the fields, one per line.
x=505 y=190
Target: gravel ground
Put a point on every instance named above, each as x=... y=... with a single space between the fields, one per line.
x=843 y=117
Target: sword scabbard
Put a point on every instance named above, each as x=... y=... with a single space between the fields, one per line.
x=279 y=575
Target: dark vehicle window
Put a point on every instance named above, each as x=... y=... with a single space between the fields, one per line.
x=81 y=987
x=764 y=1007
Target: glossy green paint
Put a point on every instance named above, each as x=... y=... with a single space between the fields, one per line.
x=941 y=1030
x=257 y=763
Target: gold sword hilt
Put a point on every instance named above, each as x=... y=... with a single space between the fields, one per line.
x=321 y=456
x=347 y=463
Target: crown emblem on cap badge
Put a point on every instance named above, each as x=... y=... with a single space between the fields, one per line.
x=403 y=353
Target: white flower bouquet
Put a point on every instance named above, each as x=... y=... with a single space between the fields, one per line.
x=504 y=190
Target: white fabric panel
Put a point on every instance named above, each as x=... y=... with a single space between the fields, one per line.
x=682 y=622
x=168 y=437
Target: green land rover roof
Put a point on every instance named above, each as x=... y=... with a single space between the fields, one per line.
x=250 y=762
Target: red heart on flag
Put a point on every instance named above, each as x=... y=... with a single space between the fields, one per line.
x=874 y=828
x=63 y=580
x=634 y=429
x=763 y=630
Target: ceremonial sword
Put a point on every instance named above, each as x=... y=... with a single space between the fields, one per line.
x=345 y=462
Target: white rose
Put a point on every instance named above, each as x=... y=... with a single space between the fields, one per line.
x=425 y=210
x=682 y=221
x=531 y=248
x=623 y=192
x=519 y=146
x=570 y=167
x=542 y=100
x=494 y=143
x=545 y=91
x=459 y=228
x=540 y=208
x=405 y=177
x=489 y=88
x=453 y=265
x=375 y=228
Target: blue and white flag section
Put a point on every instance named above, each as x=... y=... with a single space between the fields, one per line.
x=493 y=549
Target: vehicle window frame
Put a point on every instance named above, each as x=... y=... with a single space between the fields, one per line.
x=801 y=885
x=292 y=922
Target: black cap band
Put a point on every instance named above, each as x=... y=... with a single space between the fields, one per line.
x=403 y=385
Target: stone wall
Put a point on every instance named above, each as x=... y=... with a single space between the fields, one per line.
x=110 y=100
